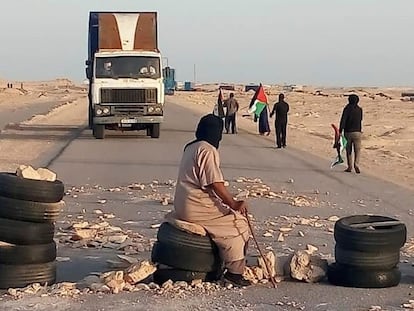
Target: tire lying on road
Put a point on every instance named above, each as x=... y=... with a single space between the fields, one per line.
x=386 y=238
x=380 y=260
x=162 y=275
x=26 y=233
x=348 y=276
x=23 y=275
x=30 y=210
x=15 y=187
x=185 y=258
x=11 y=254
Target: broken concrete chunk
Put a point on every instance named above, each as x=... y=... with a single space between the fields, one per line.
x=84 y=234
x=46 y=174
x=27 y=172
x=308 y=268
x=139 y=272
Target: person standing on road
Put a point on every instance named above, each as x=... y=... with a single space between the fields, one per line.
x=281 y=109
x=351 y=125
x=202 y=198
x=231 y=113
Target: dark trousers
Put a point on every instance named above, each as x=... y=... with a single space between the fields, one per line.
x=230 y=121
x=281 y=133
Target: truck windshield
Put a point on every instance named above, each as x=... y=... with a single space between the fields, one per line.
x=128 y=67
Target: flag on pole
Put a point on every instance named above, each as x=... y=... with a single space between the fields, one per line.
x=258 y=102
x=218 y=108
x=340 y=143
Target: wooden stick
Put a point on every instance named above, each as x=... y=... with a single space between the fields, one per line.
x=272 y=280
x=376 y=224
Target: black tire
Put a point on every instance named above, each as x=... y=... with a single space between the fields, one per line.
x=16 y=276
x=155 y=130
x=90 y=116
x=185 y=258
x=29 y=210
x=367 y=260
x=347 y=276
x=26 y=233
x=12 y=186
x=163 y=275
x=148 y=131
x=389 y=238
x=98 y=131
x=170 y=235
x=11 y=254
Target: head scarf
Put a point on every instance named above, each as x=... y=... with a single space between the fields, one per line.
x=209 y=129
x=353 y=99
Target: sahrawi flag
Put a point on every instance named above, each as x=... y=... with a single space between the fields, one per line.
x=218 y=108
x=258 y=102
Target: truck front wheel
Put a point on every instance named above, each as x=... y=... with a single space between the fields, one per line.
x=155 y=130
x=98 y=131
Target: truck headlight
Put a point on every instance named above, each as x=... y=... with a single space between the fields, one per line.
x=158 y=109
x=99 y=112
x=150 y=109
x=106 y=110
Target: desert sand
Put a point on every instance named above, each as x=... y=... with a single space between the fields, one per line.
x=388 y=125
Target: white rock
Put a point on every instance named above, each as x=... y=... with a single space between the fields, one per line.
x=46 y=174
x=27 y=172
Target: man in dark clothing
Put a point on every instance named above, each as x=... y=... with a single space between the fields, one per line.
x=351 y=126
x=232 y=107
x=281 y=109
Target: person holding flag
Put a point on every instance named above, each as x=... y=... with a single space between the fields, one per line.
x=281 y=109
x=218 y=108
x=259 y=106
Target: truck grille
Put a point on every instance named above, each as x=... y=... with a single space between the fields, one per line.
x=128 y=110
x=141 y=96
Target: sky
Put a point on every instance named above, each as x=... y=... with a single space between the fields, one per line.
x=312 y=42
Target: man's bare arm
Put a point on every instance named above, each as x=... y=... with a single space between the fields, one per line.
x=220 y=189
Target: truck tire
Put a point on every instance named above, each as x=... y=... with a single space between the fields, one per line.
x=26 y=233
x=15 y=187
x=30 y=210
x=386 y=238
x=11 y=254
x=379 y=260
x=90 y=117
x=149 y=129
x=17 y=276
x=185 y=258
x=348 y=276
x=98 y=131
x=163 y=275
x=155 y=130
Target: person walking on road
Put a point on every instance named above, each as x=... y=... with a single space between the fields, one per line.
x=281 y=109
x=264 y=128
x=351 y=125
x=232 y=106
x=202 y=198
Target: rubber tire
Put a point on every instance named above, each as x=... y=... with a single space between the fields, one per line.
x=90 y=115
x=348 y=276
x=366 y=240
x=30 y=210
x=16 y=276
x=163 y=275
x=148 y=131
x=155 y=130
x=98 y=131
x=367 y=260
x=12 y=186
x=170 y=235
x=26 y=233
x=185 y=258
x=11 y=254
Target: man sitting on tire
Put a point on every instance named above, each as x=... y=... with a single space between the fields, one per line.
x=202 y=198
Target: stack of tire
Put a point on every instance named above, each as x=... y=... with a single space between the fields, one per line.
x=28 y=209
x=183 y=256
x=367 y=251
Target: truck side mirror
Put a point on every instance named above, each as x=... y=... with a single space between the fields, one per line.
x=87 y=62
x=88 y=72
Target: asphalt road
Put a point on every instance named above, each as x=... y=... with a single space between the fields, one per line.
x=125 y=158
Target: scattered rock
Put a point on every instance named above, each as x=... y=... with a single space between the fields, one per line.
x=308 y=268
x=139 y=271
